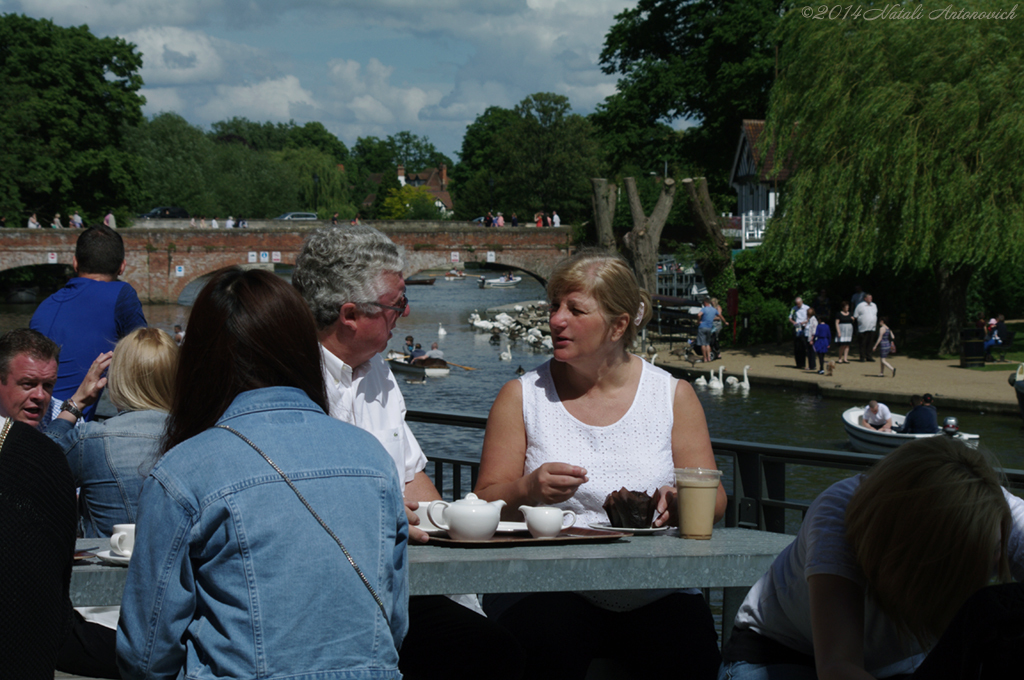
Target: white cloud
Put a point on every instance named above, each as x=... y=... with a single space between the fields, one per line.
x=269 y=99
x=362 y=67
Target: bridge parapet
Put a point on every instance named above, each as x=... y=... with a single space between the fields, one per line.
x=161 y=261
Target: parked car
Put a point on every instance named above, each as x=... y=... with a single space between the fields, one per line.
x=297 y=216
x=165 y=212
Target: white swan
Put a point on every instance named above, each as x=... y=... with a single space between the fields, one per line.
x=745 y=384
x=507 y=354
x=732 y=380
x=441 y=331
x=715 y=382
x=701 y=381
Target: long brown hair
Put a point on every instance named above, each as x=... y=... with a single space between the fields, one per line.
x=248 y=329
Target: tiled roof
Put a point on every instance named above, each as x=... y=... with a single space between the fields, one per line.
x=753 y=129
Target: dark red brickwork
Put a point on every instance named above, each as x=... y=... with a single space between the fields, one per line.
x=154 y=254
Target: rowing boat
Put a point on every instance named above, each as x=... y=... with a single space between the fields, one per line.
x=431 y=368
x=867 y=439
x=502 y=282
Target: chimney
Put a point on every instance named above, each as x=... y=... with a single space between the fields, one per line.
x=444 y=176
x=401 y=175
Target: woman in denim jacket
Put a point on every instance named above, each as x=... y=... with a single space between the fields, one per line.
x=231 y=576
x=110 y=458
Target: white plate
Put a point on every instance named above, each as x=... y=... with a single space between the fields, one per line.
x=113 y=558
x=639 y=532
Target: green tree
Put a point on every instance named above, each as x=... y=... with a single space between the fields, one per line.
x=175 y=162
x=409 y=203
x=710 y=61
x=540 y=156
x=313 y=135
x=321 y=185
x=66 y=100
x=906 y=151
x=265 y=136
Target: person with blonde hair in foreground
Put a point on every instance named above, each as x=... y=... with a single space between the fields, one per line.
x=109 y=458
x=880 y=567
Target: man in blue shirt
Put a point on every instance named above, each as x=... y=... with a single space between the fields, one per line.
x=90 y=314
x=706 y=328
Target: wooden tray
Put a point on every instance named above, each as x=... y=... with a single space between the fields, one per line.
x=570 y=535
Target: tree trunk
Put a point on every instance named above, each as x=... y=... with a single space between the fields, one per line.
x=605 y=198
x=952 y=294
x=642 y=241
x=717 y=259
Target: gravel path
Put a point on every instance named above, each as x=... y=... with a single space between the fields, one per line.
x=951 y=385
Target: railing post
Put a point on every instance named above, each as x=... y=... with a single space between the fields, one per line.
x=774 y=519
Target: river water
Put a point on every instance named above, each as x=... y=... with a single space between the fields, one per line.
x=769 y=415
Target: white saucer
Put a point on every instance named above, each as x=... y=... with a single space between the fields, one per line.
x=113 y=558
x=639 y=532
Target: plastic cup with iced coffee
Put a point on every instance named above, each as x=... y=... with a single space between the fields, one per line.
x=697 y=491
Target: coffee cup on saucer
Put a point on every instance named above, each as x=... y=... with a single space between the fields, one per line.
x=122 y=541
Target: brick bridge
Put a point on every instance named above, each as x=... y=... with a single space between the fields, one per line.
x=162 y=261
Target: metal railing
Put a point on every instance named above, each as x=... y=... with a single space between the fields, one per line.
x=758 y=498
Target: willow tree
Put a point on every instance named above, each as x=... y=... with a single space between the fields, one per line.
x=906 y=139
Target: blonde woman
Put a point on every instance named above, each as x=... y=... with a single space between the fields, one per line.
x=109 y=458
x=568 y=433
x=881 y=565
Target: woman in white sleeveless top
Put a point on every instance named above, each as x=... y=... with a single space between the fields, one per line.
x=594 y=419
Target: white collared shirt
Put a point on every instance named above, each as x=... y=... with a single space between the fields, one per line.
x=368 y=397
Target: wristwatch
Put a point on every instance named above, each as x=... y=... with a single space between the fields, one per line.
x=71 y=407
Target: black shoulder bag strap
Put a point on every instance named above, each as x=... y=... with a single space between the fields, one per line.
x=337 y=540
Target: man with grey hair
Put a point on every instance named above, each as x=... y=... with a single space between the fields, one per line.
x=352 y=280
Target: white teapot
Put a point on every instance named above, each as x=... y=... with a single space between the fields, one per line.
x=469 y=519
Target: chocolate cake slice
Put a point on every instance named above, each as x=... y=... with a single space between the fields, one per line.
x=629 y=509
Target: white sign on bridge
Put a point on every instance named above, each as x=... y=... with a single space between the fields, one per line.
x=51 y=258
x=455 y=256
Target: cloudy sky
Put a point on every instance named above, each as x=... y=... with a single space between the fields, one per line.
x=361 y=67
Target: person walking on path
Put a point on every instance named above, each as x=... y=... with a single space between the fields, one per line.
x=886 y=344
x=866 y=316
x=798 y=317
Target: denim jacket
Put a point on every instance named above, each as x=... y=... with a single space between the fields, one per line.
x=109 y=461
x=231 y=576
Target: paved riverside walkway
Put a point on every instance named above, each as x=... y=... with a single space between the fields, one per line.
x=952 y=386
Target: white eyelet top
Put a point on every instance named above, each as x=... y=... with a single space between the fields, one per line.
x=635 y=452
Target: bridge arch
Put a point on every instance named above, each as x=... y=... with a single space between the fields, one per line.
x=162 y=262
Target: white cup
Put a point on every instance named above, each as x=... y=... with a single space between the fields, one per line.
x=122 y=541
x=546 y=522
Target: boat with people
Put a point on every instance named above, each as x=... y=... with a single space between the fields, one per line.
x=454 y=275
x=866 y=439
x=422 y=367
x=505 y=281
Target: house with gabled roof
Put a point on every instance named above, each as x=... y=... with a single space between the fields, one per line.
x=434 y=179
x=757 y=190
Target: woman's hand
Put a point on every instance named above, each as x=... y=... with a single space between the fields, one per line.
x=666 y=509
x=555 y=482
x=94 y=382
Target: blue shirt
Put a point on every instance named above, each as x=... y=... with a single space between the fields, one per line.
x=86 y=318
x=231 y=575
x=920 y=420
x=707 y=317
x=109 y=460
